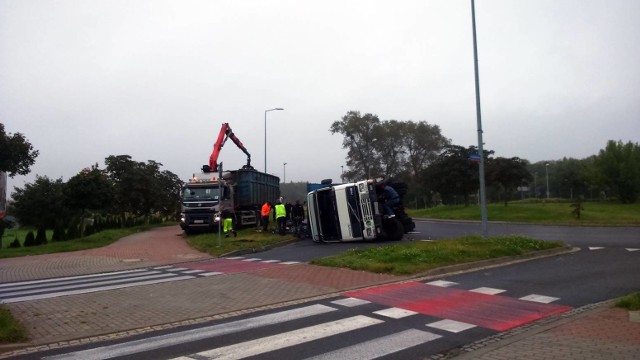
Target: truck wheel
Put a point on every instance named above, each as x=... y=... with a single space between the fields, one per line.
x=393 y=229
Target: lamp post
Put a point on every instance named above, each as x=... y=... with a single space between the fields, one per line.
x=342 y=173
x=265 y=136
x=284 y=173
x=483 y=195
x=546 y=169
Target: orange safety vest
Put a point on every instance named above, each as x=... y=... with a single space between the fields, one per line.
x=266 y=210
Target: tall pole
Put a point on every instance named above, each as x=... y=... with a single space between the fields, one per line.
x=284 y=173
x=483 y=196
x=546 y=169
x=265 y=136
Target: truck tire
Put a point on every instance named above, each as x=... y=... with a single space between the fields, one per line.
x=393 y=229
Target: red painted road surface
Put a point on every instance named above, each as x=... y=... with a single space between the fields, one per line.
x=489 y=311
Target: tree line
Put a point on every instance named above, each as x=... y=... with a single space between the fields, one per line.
x=124 y=193
x=438 y=171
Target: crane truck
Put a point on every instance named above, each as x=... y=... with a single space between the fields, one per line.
x=353 y=212
x=239 y=192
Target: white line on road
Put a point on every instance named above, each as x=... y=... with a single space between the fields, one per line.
x=380 y=347
x=90 y=290
x=287 y=339
x=163 y=341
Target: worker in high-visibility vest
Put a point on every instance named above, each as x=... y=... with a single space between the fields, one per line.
x=265 y=212
x=281 y=217
x=227 y=223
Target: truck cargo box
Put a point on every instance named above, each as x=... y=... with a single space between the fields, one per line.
x=254 y=187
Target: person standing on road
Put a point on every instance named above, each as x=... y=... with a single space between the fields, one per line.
x=297 y=213
x=281 y=217
x=264 y=212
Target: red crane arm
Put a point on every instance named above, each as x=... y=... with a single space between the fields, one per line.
x=225 y=133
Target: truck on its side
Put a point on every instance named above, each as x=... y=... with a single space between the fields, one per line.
x=240 y=192
x=353 y=212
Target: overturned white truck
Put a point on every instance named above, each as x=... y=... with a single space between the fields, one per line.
x=353 y=212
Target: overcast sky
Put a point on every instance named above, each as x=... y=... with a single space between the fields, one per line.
x=155 y=79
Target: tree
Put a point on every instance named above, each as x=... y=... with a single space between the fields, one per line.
x=16 y=153
x=141 y=188
x=90 y=189
x=453 y=174
x=40 y=203
x=619 y=169
x=391 y=148
x=423 y=142
x=508 y=174
x=359 y=135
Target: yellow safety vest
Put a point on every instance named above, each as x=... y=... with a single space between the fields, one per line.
x=280 y=211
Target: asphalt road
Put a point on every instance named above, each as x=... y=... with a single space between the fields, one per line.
x=376 y=323
x=437 y=230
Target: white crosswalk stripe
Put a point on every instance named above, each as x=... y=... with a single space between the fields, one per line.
x=73 y=285
x=381 y=346
x=286 y=339
x=164 y=341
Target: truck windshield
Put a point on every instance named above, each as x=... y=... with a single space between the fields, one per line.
x=200 y=193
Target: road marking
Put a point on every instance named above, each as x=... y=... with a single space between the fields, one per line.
x=395 y=313
x=91 y=290
x=451 y=325
x=163 y=341
x=488 y=290
x=63 y=279
x=494 y=312
x=442 y=283
x=596 y=247
x=350 y=302
x=286 y=339
x=382 y=346
x=632 y=249
x=540 y=298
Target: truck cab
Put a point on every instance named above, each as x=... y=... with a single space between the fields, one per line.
x=345 y=212
x=201 y=199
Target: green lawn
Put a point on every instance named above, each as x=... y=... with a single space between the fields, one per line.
x=100 y=239
x=247 y=239
x=419 y=256
x=593 y=213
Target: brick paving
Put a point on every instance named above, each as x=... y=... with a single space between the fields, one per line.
x=600 y=332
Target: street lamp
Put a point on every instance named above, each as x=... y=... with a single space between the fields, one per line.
x=546 y=169
x=342 y=173
x=265 y=136
x=284 y=173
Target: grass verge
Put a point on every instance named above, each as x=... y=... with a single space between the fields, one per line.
x=416 y=257
x=11 y=331
x=558 y=213
x=248 y=239
x=629 y=302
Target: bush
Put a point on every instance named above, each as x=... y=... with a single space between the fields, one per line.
x=58 y=233
x=15 y=243
x=41 y=236
x=30 y=239
x=73 y=231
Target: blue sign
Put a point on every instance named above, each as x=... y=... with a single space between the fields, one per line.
x=474 y=158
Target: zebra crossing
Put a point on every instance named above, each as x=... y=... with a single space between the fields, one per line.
x=356 y=325
x=82 y=284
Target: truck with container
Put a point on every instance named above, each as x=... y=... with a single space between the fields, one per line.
x=240 y=193
x=354 y=212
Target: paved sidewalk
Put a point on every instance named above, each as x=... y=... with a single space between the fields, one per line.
x=598 y=331
x=592 y=332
